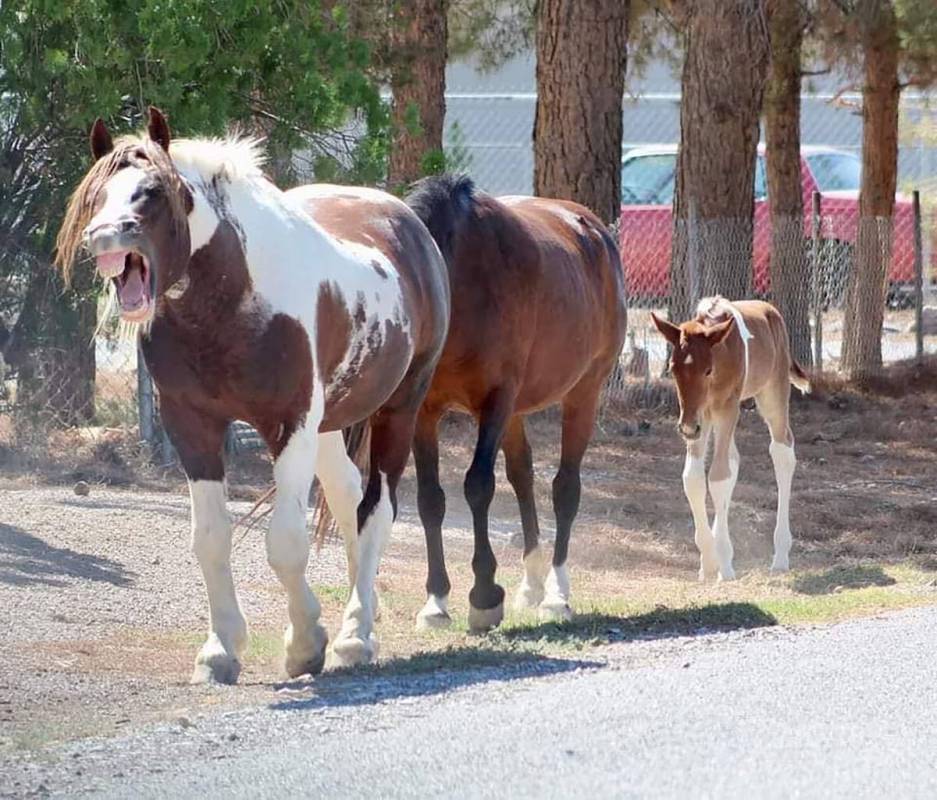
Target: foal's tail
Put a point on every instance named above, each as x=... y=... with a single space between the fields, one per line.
x=441 y=201
x=358 y=446
x=799 y=378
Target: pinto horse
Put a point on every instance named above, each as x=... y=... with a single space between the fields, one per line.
x=729 y=353
x=538 y=317
x=303 y=313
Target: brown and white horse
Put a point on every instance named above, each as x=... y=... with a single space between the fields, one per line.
x=302 y=313
x=731 y=352
x=538 y=317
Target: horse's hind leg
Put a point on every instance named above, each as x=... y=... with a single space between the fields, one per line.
x=579 y=412
x=520 y=471
x=288 y=549
x=486 y=599
x=431 y=501
x=773 y=407
x=198 y=441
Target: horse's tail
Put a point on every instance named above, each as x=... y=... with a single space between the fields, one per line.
x=441 y=202
x=798 y=377
x=358 y=446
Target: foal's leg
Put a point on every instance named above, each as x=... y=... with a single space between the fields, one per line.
x=694 y=486
x=198 y=441
x=431 y=501
x=486 y=599
x=288 y=549
x=341 y=483
x=520 y=471
x=579 y=411
x=773 y=406
x=722 y=477
x=391 y=435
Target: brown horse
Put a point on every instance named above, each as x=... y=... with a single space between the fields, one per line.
x=538 y=317
x=302 y=313
x=729 y=353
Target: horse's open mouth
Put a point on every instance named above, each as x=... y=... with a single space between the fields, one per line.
x=133 y=282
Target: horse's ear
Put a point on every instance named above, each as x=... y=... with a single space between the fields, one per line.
x=101 y=141
x=158 y=128
x=719 y=332
x=670 y=331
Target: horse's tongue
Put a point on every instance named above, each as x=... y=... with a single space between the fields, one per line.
x=130 y=289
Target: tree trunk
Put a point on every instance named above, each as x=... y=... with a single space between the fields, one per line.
x=790 y=284
x=581 y=59
x=724 y=72
x=418 y=83
x=865 y=302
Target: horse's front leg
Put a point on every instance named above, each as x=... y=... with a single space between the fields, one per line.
x=199 y=440
x=288 y=549
x=694 y=487
x=722 y=477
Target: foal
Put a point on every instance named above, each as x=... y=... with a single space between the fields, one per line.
x=729 y=353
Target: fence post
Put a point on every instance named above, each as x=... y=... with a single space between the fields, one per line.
x=918 y=278
x=145 y=406
x=817 y=285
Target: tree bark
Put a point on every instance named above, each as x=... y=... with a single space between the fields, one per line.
x=581 y=59
x=724 y=73
x=790 y=284
x=865 y=301
x=418 y=82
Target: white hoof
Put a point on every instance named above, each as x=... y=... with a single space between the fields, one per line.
x=555 y=610
x=434 y=614
x=305 y=656
x=215 y=663
x=352 y=651
x=726 y=574
x=482 y=620
x=527 y=597
x=780 y=564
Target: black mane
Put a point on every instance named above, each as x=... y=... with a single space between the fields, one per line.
x=442 y=202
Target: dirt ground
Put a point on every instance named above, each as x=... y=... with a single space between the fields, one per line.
x=102 y=607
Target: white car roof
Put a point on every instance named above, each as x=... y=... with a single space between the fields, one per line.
x=671 y=149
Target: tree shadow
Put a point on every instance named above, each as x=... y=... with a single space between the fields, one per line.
x=26 y=559
x=661 y=623
x=838 y=578
x=420 y=675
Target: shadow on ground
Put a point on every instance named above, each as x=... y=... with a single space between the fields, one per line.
x=26 y=559
x=661 y=623
x=839 y=578
x=420 y=675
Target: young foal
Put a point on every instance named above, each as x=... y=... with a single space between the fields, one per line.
x=302 y=313
x=538 y=317
x=729 y=353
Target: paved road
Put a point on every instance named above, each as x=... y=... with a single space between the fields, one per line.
x=844 y=711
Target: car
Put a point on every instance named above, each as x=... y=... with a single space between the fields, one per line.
x=646 y=225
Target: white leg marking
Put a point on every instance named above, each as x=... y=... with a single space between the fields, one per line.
x=531 y=591
x=784 y=463
x=288 y=552
x=219 y=659
x=341 y=482
x=721 y=492
x=355 y=643
x=694 y=486
x=555 y=605
x=435 y=614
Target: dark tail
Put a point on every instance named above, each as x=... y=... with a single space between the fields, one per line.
x=358 y=446
x=441 y=201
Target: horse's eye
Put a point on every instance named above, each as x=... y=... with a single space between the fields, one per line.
x=709 y=372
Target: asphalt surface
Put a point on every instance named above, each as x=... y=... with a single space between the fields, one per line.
x=842 y=711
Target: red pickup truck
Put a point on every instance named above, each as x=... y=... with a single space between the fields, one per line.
x=647 y=187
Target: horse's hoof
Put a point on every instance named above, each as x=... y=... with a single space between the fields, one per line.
x=482 y=620
x=216 y=666
x=779 y=565
x=433 y=615
x=352 y=651
x=305 y=657
x=726 y=574
x=527 y=598
x=555 y=611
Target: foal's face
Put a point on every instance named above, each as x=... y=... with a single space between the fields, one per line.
x=138 y=233
x=691 y=364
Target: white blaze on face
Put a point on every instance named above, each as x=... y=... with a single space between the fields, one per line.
x=103 y=229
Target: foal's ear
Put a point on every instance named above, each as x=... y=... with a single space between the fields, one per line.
x=719 y=332
x=101 y=141
x=670 y=331
x=158 y=128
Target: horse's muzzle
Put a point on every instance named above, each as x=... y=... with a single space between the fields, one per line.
x=690 y=432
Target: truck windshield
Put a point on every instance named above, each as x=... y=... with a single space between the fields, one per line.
x=835 y=172
x=648 y=180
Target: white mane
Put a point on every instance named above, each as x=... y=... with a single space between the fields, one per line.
x=231 y=158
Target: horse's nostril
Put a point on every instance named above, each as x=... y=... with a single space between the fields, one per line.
x=126 y=225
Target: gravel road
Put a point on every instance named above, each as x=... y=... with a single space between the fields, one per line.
x=842 y=711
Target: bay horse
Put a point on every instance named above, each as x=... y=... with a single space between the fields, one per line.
x=538 y=318
x=300 y=312
x=728 y=353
